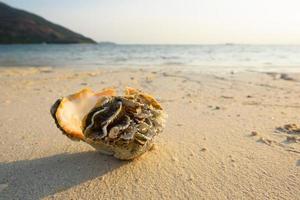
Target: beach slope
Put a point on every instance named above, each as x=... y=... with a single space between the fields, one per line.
x=225 y=137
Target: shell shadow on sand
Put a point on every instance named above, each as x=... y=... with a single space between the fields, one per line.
x=38 y=178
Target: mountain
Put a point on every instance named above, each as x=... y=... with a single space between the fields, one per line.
x=21 y=27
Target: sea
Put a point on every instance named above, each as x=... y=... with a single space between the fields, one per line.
x=285 y=58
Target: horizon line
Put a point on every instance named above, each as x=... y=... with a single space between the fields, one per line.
x=226 y=43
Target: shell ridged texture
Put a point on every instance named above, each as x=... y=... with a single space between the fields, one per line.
x=123 y=126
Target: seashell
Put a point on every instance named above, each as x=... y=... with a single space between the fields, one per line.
x=122 y=126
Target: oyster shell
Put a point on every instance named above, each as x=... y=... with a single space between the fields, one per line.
x=122 y=126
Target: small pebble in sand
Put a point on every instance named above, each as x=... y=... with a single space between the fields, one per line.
x=132 y=78
x=189 y=95
x=286 y=77
x=179 y=124
x=214 y=107
x=254 y=133
x=190 y=178
x=203 y=149
x=92 y=74
x=83 y=83
x=174 y=159
x=249 y=96
x=227 y=97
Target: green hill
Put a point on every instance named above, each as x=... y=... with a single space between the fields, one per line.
x=21 y=27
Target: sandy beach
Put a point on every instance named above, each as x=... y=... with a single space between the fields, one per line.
x=226 y=137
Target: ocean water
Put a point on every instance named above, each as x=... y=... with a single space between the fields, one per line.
x=197 y=57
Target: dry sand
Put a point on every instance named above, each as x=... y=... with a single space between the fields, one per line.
x=221 y=141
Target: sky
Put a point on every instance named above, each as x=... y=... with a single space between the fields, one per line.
x=174 y=21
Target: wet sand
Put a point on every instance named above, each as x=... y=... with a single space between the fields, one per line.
x=225 y=137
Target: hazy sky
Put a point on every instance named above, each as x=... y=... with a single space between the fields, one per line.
x=175 y=21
